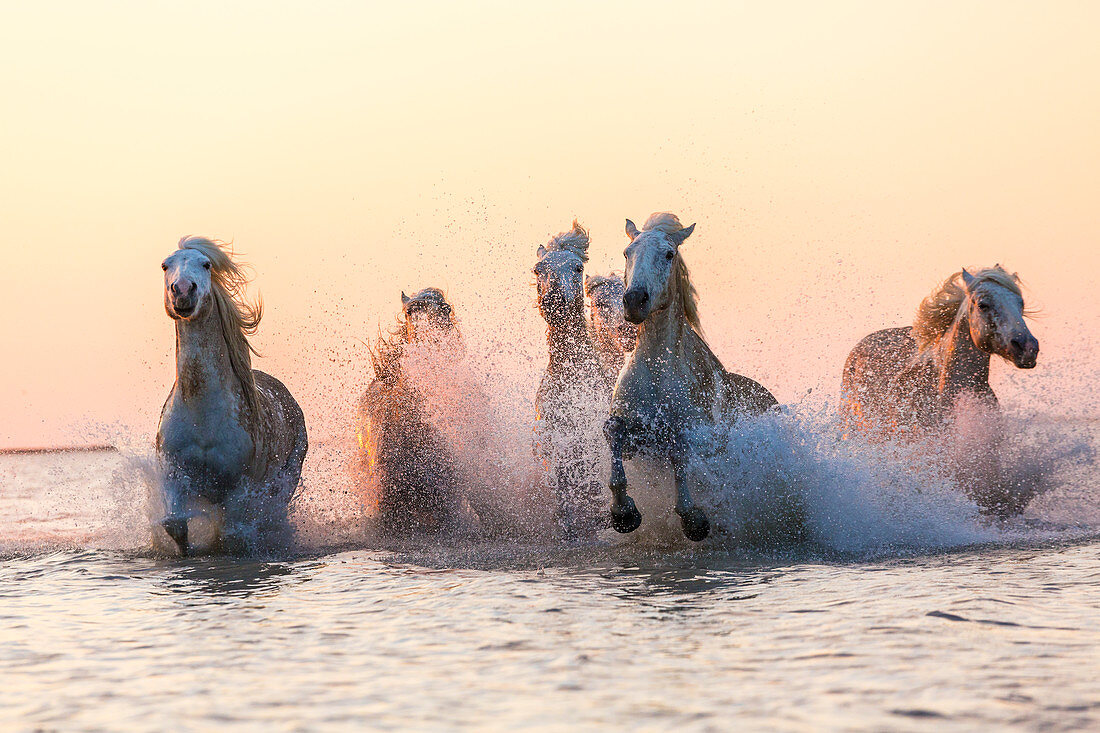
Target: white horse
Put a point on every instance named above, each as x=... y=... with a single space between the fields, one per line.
x=231 y=440
x=672 y=383
x=612 y=335
x=912 y=380
x=573 y=395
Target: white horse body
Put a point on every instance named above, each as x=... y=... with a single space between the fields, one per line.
x=672 y=383
x=613 y=336
x=573 y=394
x=231 y=441
x=931 y=381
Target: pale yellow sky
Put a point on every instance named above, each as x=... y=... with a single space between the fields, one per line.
x=839 y=159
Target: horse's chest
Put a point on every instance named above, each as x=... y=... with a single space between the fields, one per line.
x=656 y=413
x=209 y=443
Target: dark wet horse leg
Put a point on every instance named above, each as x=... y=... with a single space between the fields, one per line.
x=693 y=520
x=175 y=524
x=625 y=516
x=177 y=530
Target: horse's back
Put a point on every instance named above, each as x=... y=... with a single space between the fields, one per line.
x=747 y=396
x=869 y=369
x=286 y=428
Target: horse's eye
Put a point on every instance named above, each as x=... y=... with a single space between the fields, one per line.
x=206 y=265
x=164 y=266
x=983 y=307
x=669 y=255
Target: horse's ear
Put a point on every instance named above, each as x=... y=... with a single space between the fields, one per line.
x=631 y=230
x=542 y=252
x=404 y=298
x=679 y=237
x=968 y=279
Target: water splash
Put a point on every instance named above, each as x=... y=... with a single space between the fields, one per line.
x=785 y=479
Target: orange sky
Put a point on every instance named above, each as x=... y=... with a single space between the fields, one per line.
x=839 y=159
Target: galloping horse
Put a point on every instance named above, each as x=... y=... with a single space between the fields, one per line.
x=912 y=379
x=573 y=395
x=673 y=382
x=612 y=334
x=416 y=472
x=229 y=436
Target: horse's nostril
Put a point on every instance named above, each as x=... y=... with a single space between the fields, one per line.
x=1018 y=344
x=635 y=299
x=192 y=288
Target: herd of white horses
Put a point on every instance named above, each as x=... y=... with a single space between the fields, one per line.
x=232 y=440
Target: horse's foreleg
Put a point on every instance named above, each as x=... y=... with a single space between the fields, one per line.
x=625 y=516
x=175 y=523
x=693 y=519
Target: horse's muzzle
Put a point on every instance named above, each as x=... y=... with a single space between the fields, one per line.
x=184 y=307
x=1024 y=352
x=635 y=304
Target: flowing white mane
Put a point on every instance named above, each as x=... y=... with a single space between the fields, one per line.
x=575 y=240
x=663 y=221
x=612 y=280
x=238 y=318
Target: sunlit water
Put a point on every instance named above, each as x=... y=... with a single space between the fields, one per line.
x=907 y=614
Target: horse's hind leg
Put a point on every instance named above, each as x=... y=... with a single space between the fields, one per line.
x=625 y=516
x=693 y=519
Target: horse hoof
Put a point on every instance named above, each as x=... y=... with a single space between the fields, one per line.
x=625 y=517
x=695 y=523
x=176 y=527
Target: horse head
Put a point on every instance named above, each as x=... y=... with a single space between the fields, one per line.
x=559 y=276
x=605 y=294
x=995 y=315
x=187 y=284
x=651 y=259
x=428 y=316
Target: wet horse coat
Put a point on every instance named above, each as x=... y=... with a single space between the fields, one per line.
x=229 y=436
x=612 y=335
x=404 y=453
x=672 y=382
x=573 y=395
x=913 y=380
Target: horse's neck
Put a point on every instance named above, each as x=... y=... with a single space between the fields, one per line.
x=607 y=346
x=960 y=365
x=570 y=343
x=661 y=334
x=203 y=368
x=667 y=333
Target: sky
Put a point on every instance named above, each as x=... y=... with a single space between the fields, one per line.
x=839 y=159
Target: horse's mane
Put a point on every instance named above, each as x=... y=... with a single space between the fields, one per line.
x=238 y=318
x=596 y=282
x=667 y=223
x=938 y=311
x=385 y=353
x=575 y=240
